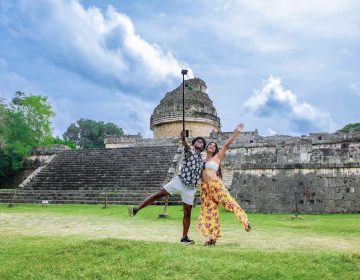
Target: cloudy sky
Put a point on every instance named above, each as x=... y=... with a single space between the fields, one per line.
x=280 y=66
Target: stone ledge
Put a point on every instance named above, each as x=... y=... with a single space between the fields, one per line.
x=293 y=165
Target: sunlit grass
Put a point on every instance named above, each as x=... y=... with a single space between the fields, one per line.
x=89 y=242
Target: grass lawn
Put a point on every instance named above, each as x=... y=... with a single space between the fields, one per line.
x=88 y=242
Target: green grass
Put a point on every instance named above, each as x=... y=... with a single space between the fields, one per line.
x=53 y=258
x=88 y=242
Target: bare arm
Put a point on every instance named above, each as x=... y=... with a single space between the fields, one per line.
x=183 y=140
x=224 y=148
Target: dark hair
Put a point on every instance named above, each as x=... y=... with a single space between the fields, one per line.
x=218 y=173
x=216 y=147
x=197 y=138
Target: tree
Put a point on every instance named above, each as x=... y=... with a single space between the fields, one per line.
x=19 y=139
x=2 y=123
x=351 y=127
x=37 y=113
x=24 y=123
x=59 y=141
x=87 y=133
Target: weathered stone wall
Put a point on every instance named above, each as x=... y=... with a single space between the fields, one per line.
x=123 y=141
x=309 y=189
x=196 y=128
x=38 y=157
x=319 y=173
x=13 y=182
x=200 y=114
x=123 y=176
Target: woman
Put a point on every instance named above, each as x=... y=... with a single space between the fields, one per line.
x=214 y=192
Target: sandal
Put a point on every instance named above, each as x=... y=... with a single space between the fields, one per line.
x=210 y=242
x=248 y=227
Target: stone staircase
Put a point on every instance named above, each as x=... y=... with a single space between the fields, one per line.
x=122 y=175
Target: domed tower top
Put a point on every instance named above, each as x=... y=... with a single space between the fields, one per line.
x=200 y=114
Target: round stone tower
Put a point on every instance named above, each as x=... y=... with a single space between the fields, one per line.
x=200 y=114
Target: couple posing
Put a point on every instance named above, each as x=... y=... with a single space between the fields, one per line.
x=212 y=190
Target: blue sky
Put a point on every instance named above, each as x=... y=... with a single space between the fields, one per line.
x=280 y=66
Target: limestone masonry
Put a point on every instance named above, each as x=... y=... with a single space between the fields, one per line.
x=200 y=113
x=316 y=173
x=319 y=173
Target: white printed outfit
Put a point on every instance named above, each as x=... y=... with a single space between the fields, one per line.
x=185 y=182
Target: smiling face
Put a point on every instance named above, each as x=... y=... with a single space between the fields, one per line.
x=199 y=144
x=212 y=148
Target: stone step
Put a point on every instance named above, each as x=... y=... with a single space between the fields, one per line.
x=93 y=194
x=128 y=175
x=120 y=202
x=99 y=190
x=96 y=177
x=97 y=182
x=84 y=194
x=90 y=200
x=118 y=181
x=88 y=186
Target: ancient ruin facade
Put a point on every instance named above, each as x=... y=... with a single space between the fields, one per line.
x=200 y=113
x=315 y=173
x=319 y=173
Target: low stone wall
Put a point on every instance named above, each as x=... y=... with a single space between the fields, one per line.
x=17 y=179
x=309 y=174
x=123 y=141
x=308 y=188
x=38 y=157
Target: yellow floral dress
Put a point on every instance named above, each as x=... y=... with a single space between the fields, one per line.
x=211 y=194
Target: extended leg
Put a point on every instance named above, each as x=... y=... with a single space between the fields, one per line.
x=230 y=204
x=151 y=198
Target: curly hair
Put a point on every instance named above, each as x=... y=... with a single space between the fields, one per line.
x=197 y=138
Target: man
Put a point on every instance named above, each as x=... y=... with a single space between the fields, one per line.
x=184 y=183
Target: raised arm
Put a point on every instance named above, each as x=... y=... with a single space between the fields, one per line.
x=183 y=140
x=224 y=148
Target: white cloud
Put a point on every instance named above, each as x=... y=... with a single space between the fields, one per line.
x=273 y=101
x=233 y=44
x=272 y=132
x=354 y=87
x=269 y=26
x=103 y=47
x=129 y=112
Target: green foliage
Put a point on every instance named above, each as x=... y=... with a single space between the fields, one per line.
x=2 y=123
x=189 y=87
x=18 y=132
x=37 y=113
x=24 y=123
x=87 y=133
x=19 y=139
x=59 y=141
x=351 y=127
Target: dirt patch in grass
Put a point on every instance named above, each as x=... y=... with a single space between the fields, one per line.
x=167 y=230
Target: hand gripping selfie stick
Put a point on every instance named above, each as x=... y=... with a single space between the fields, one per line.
x=183 y=72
